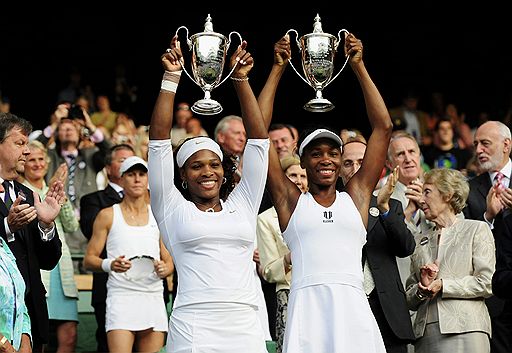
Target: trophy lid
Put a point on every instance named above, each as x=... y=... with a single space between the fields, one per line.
x=317 y=26
x=208 y=25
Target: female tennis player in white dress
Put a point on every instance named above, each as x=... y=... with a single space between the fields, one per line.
x=325 y=229
x=211 y=241
x=137 y=261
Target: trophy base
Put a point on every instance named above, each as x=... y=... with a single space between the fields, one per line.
x=319 y=105
x=207 y=107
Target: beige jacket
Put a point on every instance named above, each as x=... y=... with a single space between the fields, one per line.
x=467 y=260
x=272 y=250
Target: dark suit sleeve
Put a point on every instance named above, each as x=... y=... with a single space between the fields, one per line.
x=89 y=209
x=48 y=252
x=400 y=239
x=502 y=277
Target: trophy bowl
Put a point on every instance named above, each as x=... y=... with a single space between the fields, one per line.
x=318 y=52
x=208 y=56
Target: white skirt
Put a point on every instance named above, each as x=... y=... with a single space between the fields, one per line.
x=136 y=312
x=205 y=328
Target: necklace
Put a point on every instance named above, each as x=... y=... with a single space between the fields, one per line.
x=209 y=209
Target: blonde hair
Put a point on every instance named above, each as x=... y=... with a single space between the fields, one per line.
x=450 y=182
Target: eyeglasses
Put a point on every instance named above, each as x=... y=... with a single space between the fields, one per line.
x=183 y=107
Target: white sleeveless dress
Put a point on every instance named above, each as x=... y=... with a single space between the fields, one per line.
x=327 y=309
x=124 y=296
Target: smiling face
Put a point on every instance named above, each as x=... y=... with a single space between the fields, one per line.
x=204 y=175
x=36 y=165
x=322 y=160
x=13 y=153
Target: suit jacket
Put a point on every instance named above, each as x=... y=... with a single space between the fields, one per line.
x=476 y=205
x=467 y=261
x=502 y=277
x=388 y=237
x=32 y=255
x=90 y=205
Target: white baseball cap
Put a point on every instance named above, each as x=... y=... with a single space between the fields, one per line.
x=131 y=162
x=319 y=133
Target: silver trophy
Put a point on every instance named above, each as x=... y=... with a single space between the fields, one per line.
x=207 y=63
x=318 y=51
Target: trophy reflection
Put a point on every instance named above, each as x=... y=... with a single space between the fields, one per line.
x=207 y=63
x=318 y=51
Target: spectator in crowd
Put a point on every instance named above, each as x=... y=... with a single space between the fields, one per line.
x=28 y=222
x=281 y=136
x=415 y=119
x=179 y=131
x=489 y=196
x=14 y=318
x=104 y=118
x=451 y=271
x=59 y=283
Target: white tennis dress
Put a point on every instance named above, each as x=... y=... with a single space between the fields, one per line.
x=327 y=309
x=124 y=295
x=216 y=305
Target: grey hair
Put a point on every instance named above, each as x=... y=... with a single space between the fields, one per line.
x=401 y=134
x=223 y=124
x=503 y=129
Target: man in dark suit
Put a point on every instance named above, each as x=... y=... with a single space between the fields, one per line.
x=387 y=237
x=27 y=223
x=90 y=205
x=488 y=197
x=502 y=277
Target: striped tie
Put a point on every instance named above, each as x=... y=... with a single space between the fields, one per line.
x=498 y=180
x=7 y=194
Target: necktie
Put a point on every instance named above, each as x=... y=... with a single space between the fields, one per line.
x=368 y=283
x=71 y=177
x=7 y=194
x=498 y=180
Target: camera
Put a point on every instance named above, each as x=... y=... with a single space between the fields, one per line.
x=76 y=112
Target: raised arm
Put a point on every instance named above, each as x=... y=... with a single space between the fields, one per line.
x=362 y=184
x=251 y=113
x=161 y=119
x=284 y=192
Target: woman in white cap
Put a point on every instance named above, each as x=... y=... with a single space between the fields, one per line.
x=211 y=240
x=324 y=229
x=137 y=261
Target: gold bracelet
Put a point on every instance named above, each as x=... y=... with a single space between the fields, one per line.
x=240 y=79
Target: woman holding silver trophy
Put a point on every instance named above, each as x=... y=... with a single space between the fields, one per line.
x=324 y=229
x=211 y=240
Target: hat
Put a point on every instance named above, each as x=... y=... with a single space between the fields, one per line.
x=131 y=162
x=288 y=161
x=319 y=133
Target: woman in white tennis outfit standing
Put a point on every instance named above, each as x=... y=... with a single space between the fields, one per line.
x=324 y=229
x=211 y=240
x=136 y=314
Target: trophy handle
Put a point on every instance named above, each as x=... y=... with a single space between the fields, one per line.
x=290 y=61
x=336 y=48
x=227 y=47
x=189 y=43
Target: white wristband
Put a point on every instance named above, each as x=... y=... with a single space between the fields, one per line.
x=106 y=265
x=169 y=86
